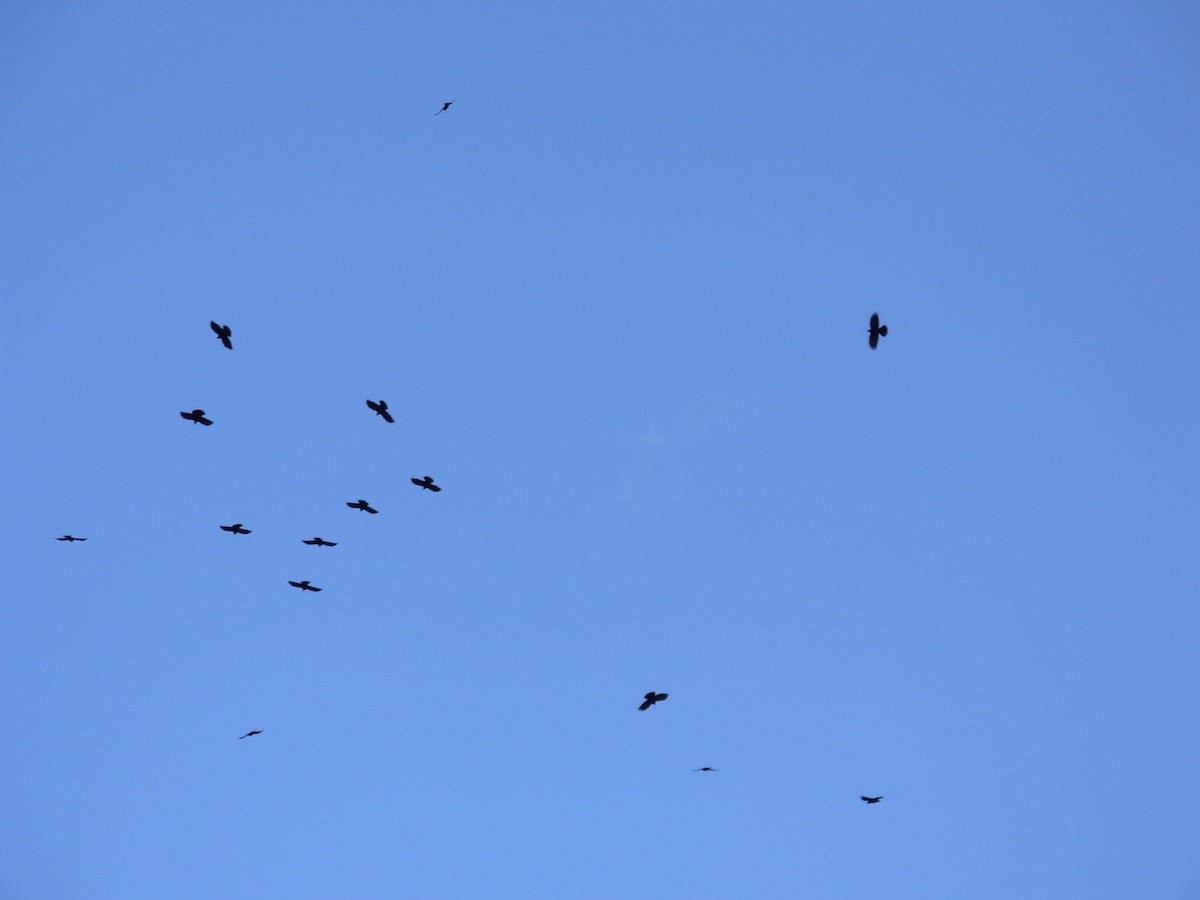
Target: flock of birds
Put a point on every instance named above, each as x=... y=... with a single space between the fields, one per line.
x=198 y=417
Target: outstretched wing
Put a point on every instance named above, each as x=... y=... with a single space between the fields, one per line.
x=658 y=697
x=315 y=590
x=434 y=487
x=374 y=406
x=387 y=416
x=216 y=329
x=299 y=585
x=646 y=705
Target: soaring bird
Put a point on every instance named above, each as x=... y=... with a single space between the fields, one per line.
x=304 y=586
x=70 y=537
x=872 y=799
x=250 y=734
x=317 y=542
x=224 y=332
x=381 y=410
x=196 y=417
x=364 y=506
x=876 y=331
x=445 y=106
x=426 y=483
x=235 y=529
x=705 y=769
x=651 y=699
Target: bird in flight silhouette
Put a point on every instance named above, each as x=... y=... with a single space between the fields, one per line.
x=705 y=769
x=305 y=586
x=70 y=537
x=235 y=529
x=872 y=799
x=250 y=734
x=445 y=106
x=224 y=332
x=651 y=699
x=317 y=542
x=196 y=417
x=876 y=331
x=426 y=483
x=364 y=506
x=381 y=410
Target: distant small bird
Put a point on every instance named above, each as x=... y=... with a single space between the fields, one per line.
x=705 y=769
x=317 y=542
x=872 y=799
x=876 y=331
x=364 y=506
x=196 y=417
x=70 y=537
x=381 y=410
x=426 y=483
x=250 y=734
x=235 y=529
x=445 y=106
x=651 y=699
x=224 y=332
x=304 y=586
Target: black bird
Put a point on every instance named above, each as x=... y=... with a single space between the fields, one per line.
x=304 y=586
x=70 y=537
x=872 y=799
x=317 y=542
x=876 y=331
x=705 y=769
x=426 y=483
x=364 y=506
x=445 y=106
x=651 y=699
x=196 y=417
x=224 y=332
x=235 y=529
x=381 y=410
x=250 y=734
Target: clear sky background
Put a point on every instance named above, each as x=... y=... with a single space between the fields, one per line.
x=617 y=298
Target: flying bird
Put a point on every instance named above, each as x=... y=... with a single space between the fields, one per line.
x=872 y=799
x=235 y=529
x=381 y=410
x=317 y=542
x=196 y=417
x=445 y=106
x=70 y=537
x=705 y=769
x=364 y=506
x=224 y=332
x=426 y=483
x=651 y=699
x=250 y=734
x=304 y=586
x=876 y=331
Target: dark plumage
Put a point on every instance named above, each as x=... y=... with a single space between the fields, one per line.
x=304 y=586
x=872 y=799
x=651 y=699
x=250 y=734
x=426 y=483
x=381 y=410
x=224 y=332
x=705 y=769
x=876 y=331
x=445 y=106
x=317 y=542
x=364 y=506
x=235 y=529
x=196 y=417
x=70 y=537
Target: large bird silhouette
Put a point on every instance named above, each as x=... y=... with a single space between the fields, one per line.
x=872 y=799
x=224 y=332
x=70 y=537
x=364 y=506
x=651 y=699
x=381 y=410
x=876 y=331
x=317 y=542
x=445 y=106
x=235 y=529
x=196 y=417
x=705 y=769
x=426 y=483
x=250 y=734
x=304 y=586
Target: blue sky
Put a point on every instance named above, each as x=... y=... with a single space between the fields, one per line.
x=617 y=298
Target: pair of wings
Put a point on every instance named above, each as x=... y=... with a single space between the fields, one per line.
x=321 y=543
x=224 y=332
x=363 y=505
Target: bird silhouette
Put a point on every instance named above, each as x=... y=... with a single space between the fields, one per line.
x=196 y=417
x=304 y=586
x=70 y=537
x=235 y=529
x=876 y=331
x=872 y=799
x=651 y=699
x=224 y=332
x=364 y=506
x=381 y=410
x=317 y=542
x=705 y=769
x=426 y=483
x=445 y=106
x=250 y=733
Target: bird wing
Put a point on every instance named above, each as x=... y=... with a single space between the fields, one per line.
x=646 y=705
x=215 y=327
x=371 y=511
x=330 y=543
x=417 y=481
x=373 y=405
x=874 y=321
x=873 y=340
x=434 y=488
x=308 y=542
x=658 y=697
x=387 y=416
x=315 y=590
